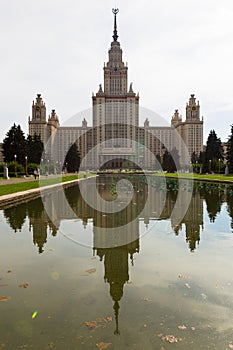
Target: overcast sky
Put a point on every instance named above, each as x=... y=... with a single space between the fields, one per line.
x=173 y=48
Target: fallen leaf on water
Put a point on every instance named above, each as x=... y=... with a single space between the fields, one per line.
x=230 y=346
x=145 y=299
x=103 y=345
x=183 y=276
x=91 y=270
x=182 y=328
x=91 y=325
x=187 y=285
x=204 y=296
x=2 y=346
x=169 y=338
x=4 y=298
x=193 y=328
x=24 y=285
x=9 y=271
x=98 y=323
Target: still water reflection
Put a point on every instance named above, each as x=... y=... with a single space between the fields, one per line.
x=169 y=285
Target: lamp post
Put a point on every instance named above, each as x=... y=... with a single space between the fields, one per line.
x=219 y=165
x=41 y=167
x=15 y=156
x=26 y=165
x=210 y=165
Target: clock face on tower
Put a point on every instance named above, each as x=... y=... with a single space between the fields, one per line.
x=115 y=69
x=193 y=108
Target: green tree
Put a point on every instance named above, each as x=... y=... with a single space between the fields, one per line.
x=72 y=159
x=34 y=149
x=158 y=162
x=175 y=161
x=213 y=154
x=194 y=158
x=214 y=149
x=14 y=144
x=171 y=161
x=230 y=151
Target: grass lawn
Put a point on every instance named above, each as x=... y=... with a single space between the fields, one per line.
x=28 y=185
x=212 y=177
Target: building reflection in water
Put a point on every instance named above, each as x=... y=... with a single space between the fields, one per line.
x=143 y=207
x=116 y=252
x=116 y=268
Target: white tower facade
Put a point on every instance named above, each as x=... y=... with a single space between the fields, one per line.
x=115 y=111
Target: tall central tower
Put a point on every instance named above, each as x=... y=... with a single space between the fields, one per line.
x=115 y=111
x=115 y=73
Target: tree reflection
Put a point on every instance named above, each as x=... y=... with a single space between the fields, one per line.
x=39 y=222
x=229 y=199
x=214 y=197
x=16 y=216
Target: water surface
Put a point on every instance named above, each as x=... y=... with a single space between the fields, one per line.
x=167 y=278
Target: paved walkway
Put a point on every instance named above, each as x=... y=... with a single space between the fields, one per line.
x=30 y=178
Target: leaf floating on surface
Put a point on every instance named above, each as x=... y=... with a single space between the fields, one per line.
x=145 y=299
x=183 y=276
x=98 y=323
x=24 y=285
x=4 y=298
x=182 y=328
x=169 y=338
x=93 y=325
x=204 y=296
x=91 y=271
x=103 y=346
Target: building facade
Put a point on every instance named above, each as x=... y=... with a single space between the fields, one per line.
x=115 y=139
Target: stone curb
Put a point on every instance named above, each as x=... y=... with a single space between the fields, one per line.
x=12 y=199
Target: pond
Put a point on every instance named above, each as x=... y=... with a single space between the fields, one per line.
x=119 y=262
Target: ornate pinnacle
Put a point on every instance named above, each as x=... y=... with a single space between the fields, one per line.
x=115 y=36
